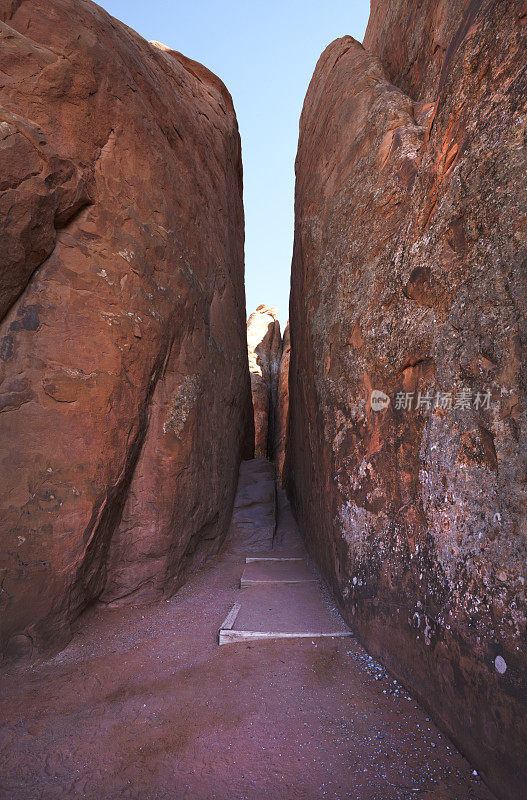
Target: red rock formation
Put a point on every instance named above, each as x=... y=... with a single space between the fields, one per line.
x=415 y=40
x=407 y=278
x=264 y=347
x=124 y=387
x=282 y=408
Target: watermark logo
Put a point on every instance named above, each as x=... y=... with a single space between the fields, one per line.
x=463 y=400
x=378 y=400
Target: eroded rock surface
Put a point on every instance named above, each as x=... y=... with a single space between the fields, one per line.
x=408 y=279
x=282 y=408
x=124 y=387
x=417 y=40
x=264 y=348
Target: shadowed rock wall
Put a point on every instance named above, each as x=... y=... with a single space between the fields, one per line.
x=409 y=279
x=124 y=389
x=282 y=409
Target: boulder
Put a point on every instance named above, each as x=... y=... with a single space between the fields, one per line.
x=124 y=389
x=407 y=403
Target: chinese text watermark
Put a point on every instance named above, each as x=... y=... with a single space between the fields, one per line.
x=462 y=400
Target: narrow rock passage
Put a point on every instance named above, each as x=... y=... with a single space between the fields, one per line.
x=144 y=704
x=281 y=595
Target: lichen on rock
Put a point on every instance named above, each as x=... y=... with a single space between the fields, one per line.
x=182 y=404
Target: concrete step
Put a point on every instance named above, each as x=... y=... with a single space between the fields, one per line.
x=254 y=559
x=277 y=571
x=282 y=611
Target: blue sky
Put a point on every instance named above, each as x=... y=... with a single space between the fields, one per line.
x=265 y=53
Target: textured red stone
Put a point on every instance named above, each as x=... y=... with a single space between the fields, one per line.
x=416 y=40
x=264 y=347
x=407 y=277
x=124 y=387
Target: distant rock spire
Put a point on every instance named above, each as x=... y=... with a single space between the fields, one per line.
x=264 y=344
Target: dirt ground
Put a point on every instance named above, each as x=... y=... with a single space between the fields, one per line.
x=144 y=704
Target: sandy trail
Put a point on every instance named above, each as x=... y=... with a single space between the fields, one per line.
x=144 y=704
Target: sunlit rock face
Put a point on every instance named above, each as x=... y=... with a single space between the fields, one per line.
x=407 y=407
x=264 y=346
x=124 y=387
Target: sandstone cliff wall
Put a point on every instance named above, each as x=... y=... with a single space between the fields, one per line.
x=264 y=344
x=124 y=389
x=409 y=278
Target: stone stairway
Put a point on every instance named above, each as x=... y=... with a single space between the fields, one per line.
x=281 y=596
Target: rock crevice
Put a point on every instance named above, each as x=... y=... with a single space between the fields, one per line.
x=264 y=347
